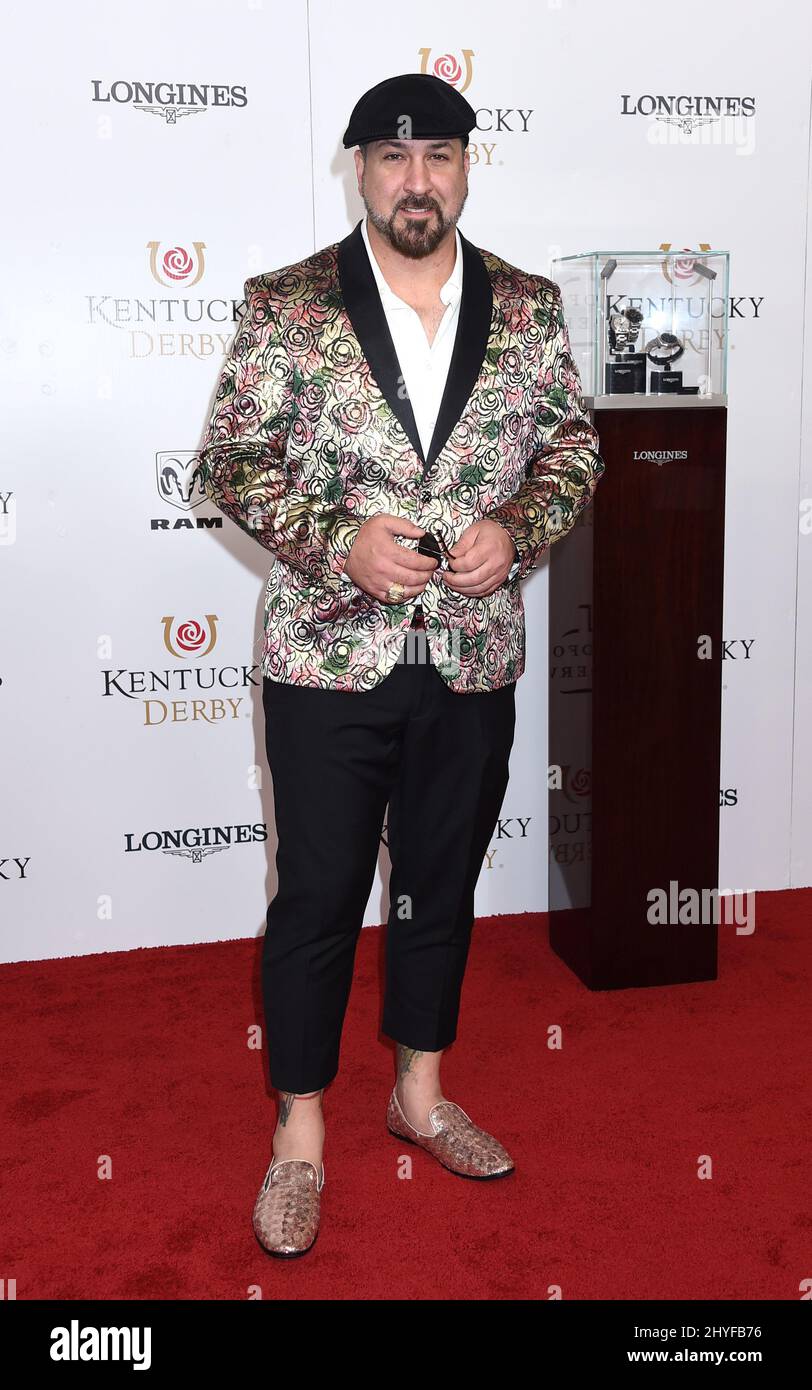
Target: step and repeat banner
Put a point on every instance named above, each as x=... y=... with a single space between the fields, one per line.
x=156 y=155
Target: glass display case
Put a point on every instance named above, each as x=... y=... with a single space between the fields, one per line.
x=648 y=326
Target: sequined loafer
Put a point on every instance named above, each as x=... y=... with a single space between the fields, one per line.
x=455 y=1140
x=286 y=1212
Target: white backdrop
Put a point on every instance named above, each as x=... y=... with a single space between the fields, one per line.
x=131 y=609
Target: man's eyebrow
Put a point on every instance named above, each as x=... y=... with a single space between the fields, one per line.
x=432 y=144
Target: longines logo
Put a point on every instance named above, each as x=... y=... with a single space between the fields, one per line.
x=457 y=71
x=659 y=456
x=170 y=325
x=196 y=842
x=687 y=112
x=168 y=100
x=180 y=485
x=191 y=693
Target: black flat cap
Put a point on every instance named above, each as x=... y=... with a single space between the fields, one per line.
x=414 y=106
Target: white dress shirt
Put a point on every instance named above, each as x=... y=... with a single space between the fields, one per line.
x=424 y=366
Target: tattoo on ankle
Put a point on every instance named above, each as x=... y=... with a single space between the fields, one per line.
x=286 y=1099
x=406 y=1057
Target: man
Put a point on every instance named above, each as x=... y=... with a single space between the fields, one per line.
x=399 y=422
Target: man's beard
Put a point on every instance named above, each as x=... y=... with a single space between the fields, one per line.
x=415 y=238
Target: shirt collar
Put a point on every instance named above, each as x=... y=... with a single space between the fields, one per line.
x=450 y=292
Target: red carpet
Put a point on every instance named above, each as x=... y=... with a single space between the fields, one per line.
x=142 y=1057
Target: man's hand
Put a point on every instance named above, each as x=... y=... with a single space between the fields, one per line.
x=376 y=560
x=482 y=557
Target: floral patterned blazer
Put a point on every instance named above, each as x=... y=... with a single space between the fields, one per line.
x=311 y=433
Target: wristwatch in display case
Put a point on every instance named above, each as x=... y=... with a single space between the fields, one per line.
x=648 y=324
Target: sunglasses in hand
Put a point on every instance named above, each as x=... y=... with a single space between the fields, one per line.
x=432 y=545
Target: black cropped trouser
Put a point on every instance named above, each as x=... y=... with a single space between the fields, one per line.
x=439 y=759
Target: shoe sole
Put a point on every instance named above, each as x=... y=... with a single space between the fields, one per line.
x=476 y=1177
x=286 y=1254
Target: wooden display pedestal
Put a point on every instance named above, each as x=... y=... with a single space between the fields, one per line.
x=635 y=701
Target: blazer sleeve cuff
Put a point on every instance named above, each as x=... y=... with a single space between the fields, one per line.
x=511 y=518
x=338 y=543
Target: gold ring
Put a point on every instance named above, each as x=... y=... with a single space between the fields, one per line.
x=395 y=592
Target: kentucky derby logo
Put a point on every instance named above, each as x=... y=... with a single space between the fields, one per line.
x=683 y=271
x=577 y=783
x=448 y=67
x=176 y=266
x=189 y=638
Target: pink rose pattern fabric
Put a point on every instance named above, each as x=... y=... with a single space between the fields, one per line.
x=302 y=447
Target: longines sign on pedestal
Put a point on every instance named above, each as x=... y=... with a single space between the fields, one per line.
x=660 y=455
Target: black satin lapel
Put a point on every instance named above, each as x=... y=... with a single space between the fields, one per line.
x=366 y=314
x=470 y=346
